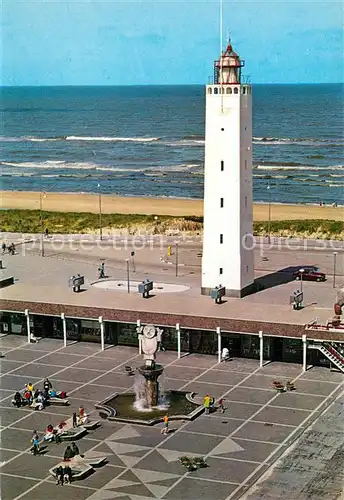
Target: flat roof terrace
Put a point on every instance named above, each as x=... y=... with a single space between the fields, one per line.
x=42 y=286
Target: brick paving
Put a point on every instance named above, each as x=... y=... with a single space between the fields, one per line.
x=240 y=446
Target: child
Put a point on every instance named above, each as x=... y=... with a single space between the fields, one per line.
x=221 y=407
x=35 y=444
x=165 y=429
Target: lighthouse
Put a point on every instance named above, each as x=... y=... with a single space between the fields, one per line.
x=228 y=220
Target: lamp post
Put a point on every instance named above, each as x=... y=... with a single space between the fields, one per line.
x=100 y=212
x=128 y=275
x=176 y=258
x=41 y=196
x=301 y=271
x=269 y=214
x=334 y=268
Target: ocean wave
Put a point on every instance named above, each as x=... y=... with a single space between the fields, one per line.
x=64 y=165
x=298 y=167
x=28 y=138
x=272 y=141
x=112 y=139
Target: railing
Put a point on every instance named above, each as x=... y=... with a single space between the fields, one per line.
x=334 y=352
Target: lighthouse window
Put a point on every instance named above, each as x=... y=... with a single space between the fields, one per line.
x=245 y=201
x=210 y=90
x=245 y=164
x=229 y=90
x=222 y=129
x=222 y=165
x=247 y=269
x=236 y=91
x=216 y=90
x=221 y=202
x=221 y=270
x=221 y=239
x=244 y=90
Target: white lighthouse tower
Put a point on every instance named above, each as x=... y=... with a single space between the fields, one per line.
x=228 y=222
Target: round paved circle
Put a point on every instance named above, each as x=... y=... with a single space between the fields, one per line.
x=122 y=286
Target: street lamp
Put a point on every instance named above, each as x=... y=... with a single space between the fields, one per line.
x=128 y=275
x=100 y=213
x=176 y=258
x=269 y=216
x=301 y=271
x=41 y=196
x=334 y=268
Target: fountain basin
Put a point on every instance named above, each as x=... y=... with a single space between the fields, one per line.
x=120 y=408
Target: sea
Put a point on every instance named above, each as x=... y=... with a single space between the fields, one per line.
x=149 y=141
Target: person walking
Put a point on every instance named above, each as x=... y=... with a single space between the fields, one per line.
x=75 y=422
x=165 y=428
x=35 y=443
x=3 y=246
x=206 y=403
x=221 y=407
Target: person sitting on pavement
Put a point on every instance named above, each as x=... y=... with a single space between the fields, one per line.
x=75 y=449
x=67 y=474
x=68 y=454
x=59 y=475
x=17 y=400
x=52 y=393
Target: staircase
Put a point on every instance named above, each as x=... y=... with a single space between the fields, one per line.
x=330 y=352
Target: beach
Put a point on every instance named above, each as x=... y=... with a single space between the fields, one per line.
x=77 y=202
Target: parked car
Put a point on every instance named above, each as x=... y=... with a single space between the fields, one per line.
x=310 y=273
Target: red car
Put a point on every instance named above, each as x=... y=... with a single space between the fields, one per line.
x=310 y=273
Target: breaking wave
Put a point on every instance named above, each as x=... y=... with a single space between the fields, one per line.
x=272 y=141
x=78 y=138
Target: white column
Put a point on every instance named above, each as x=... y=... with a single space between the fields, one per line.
x=219 y=344
x=64 y=328
x=101 y=323
x=26 y=312
x=138 y=323
x=304 y=357
x=178 y=340
x=261 y=348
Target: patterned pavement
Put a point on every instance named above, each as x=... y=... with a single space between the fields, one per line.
x=256 y=429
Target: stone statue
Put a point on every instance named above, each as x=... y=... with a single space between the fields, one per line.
x=150 y=337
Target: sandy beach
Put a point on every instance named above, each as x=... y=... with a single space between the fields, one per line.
x=75 y=202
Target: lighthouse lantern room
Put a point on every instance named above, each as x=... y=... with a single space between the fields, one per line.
x=228 y=223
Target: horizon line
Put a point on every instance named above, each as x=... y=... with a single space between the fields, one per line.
x=165 y=84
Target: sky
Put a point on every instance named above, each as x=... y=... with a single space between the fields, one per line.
x=124 y=42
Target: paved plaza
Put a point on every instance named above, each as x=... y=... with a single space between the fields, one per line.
x=257 y=428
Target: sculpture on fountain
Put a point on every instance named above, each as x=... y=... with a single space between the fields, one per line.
x=149 y=338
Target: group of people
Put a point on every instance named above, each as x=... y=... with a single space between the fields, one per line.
x=64 y=474
x=35 y=397
x=80 y=418
x=11 y=248
x=209 y=404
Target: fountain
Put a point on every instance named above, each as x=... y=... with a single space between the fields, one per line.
x=147 y=405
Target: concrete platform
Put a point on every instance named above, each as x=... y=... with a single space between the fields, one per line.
x=41 y=287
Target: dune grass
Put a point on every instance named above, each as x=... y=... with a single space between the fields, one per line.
x=28 y=221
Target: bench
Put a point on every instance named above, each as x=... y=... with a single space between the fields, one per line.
x=80 y=466
x=58 y=401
